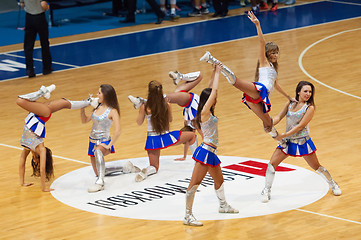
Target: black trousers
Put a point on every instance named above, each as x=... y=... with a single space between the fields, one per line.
x=132 y=6
x=220 y=6
x=36 y=24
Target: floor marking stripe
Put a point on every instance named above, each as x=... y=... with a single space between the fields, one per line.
x=65 y=158
x=312 y=45
x=324 y=215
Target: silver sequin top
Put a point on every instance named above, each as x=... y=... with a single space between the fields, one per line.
x=294 y=118
x=101 y=125
x=268 y=76
x=210 y=130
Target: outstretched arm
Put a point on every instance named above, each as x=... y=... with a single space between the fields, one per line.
x=280 y=90
x=205 y=114
x=281 y=115
x=262 y=54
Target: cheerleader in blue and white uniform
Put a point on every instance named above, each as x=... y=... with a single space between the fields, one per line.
x=256 y=94
x=297 y=138
x=183 y=97
x=34 y=131
x=205 y=155
x=100 y=142
x=159 y=114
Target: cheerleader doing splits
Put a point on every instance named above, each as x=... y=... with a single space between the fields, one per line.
x=256 y=94
x=205 y=155
x=34 y=132
x=298 y=141
x=159 y=114
x=100 y=142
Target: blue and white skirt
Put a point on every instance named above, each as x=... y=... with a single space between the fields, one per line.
x=160 y=141
x=206 y=155
x=190 y=109
x=263 y=97
x=299 y=147
x=92 y=146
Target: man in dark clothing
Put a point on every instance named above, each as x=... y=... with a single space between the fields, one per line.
x=35 y=23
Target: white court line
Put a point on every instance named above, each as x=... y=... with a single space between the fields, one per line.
x=324 y=215
x=65 y=158
x=305 y=72
x=350 y=3
x=40 y=60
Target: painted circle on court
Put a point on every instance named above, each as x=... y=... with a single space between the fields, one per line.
x=162 y=196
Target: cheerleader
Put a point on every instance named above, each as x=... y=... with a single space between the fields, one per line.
x=159 y=114
x=34 y=132
x=100 y=142
x=184 y=98
x=205 y=155
x=256 y=94
x=297 y=138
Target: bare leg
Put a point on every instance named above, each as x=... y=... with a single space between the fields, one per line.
x=199 y=171
x=58 y=104
x=247 y=87
x=40 y=109
x=180 y=98
x=265 y=117
x=312 y=161
x=186 y=137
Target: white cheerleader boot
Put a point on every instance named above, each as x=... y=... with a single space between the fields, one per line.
x=42 y=92
x=224 y=207
x=189 y=77
x=229 y=75
x=137 y=101
x=189 y=219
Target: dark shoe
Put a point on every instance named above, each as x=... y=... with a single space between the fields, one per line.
x=159 y=20
x=128 y=20
x=110 y=14
x=30 y=73
x=196 y=13
x=47 y=71
x=216 y=14
x=224 y=14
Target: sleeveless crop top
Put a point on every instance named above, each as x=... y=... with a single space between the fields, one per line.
x=294 y=118
x=268 y=76
x=101 y=125
x=210 y=130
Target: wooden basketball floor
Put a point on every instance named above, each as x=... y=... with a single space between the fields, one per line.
x=28 y=213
